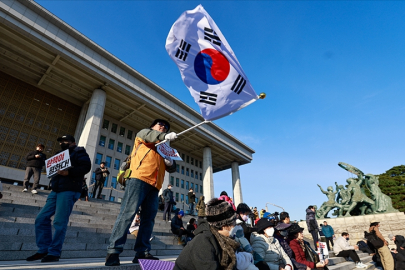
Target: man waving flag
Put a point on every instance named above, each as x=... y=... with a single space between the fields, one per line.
x=208 y=66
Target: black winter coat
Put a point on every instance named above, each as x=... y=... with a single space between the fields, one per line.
x=81 y=164
x=176 y=223
x=399 y=261
x=400 y=242
x=311 y=221
x=191 y=197
x=202 y=253
x=168 y=195
x=32 y=161
x=99 y=174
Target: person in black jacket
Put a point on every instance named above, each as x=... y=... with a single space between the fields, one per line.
x=191 y=201
x=35 y=161
x=242 y=213
x=66 y=189
x=169 y=201
x=101 y=175
x=399 y=241
x=177 y=226
x=312 y=224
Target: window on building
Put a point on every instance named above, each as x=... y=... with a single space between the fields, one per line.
x=182 y=169
x=187 y=185
x=114 y=182
x=201 y=176
x=182 y=183
x=186 y=199
x=106 y=181
x=183 y=157
x=177 y=182
x=188 y=159
x=192 y=186
x=200 y=164
x=177 y=197
x=192 y=161
x=182 y=197
x=177 y=168
x=93 y=178
x=187 y=172
x=119 y=147
x=172 y=180
x=192 y=173
x=196 y=188
x=196 y=200
x=99 y=158
x=129 y=134
x=112 y=199
x=106 y=123
x=108 y=161
x=122 y=131
x=201 y=189
x=114 y=128
x=111 y=144
x=117 y=163
x=102 y=141
x=196 y=175
x=127 y=149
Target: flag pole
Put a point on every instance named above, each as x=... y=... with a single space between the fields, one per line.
x=184 y=131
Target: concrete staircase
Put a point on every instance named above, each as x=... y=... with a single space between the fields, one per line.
x=88 y=231
x=87 y=235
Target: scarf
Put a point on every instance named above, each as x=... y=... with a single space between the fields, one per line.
x=228 y=246
x=301 y=242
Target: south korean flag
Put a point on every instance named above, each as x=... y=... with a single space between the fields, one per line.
x=208 y=66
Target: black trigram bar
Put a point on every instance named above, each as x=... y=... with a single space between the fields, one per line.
x=183 y=50
x=211 y=36
x=208 y=98
x=238 y=85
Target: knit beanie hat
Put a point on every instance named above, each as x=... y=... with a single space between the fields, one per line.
x=220 y=213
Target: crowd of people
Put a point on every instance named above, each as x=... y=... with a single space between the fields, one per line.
x=221 y=238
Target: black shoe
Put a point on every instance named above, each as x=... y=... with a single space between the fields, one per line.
x=36 y=256
x=146 y=256
x=112 y=259
x=50 y=258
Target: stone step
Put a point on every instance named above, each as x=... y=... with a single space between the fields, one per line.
x=76 y=264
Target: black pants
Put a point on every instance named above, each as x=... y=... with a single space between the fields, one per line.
x=315 y=237
x=329 y=240
x=168 y=210
x=262 y=265
x=180 y=232
x=349 y=253
x=98 y=185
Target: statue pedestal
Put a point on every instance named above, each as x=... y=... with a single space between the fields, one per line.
x=391 y=223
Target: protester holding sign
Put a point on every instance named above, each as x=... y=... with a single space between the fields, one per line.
x=35 y=161
x=141 y=189
x=66 y=189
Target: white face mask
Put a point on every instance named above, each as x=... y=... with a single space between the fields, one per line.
x=244 y=217
x=269 y=231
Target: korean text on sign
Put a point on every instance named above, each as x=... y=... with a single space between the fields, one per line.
x=58 y=162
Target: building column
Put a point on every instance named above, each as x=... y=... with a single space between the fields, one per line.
x=208 y=179
x=92 y=125
x=236 y=186
x=80 y=122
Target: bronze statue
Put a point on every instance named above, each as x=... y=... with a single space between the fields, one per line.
x=353 y=200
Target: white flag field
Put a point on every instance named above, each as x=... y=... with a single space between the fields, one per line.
x=208 y=66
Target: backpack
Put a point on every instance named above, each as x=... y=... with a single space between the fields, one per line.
x=124 y=172
x=373 y=239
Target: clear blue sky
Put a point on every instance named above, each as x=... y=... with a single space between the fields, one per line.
x=333 y=72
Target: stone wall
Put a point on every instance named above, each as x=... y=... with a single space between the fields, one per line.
x=391 y=223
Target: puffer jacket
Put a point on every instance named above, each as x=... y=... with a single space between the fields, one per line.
x=81 y=164
x=32 y=161
x=311 y=221
x=201 y=207
x=270 y=250
x=146 y=163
